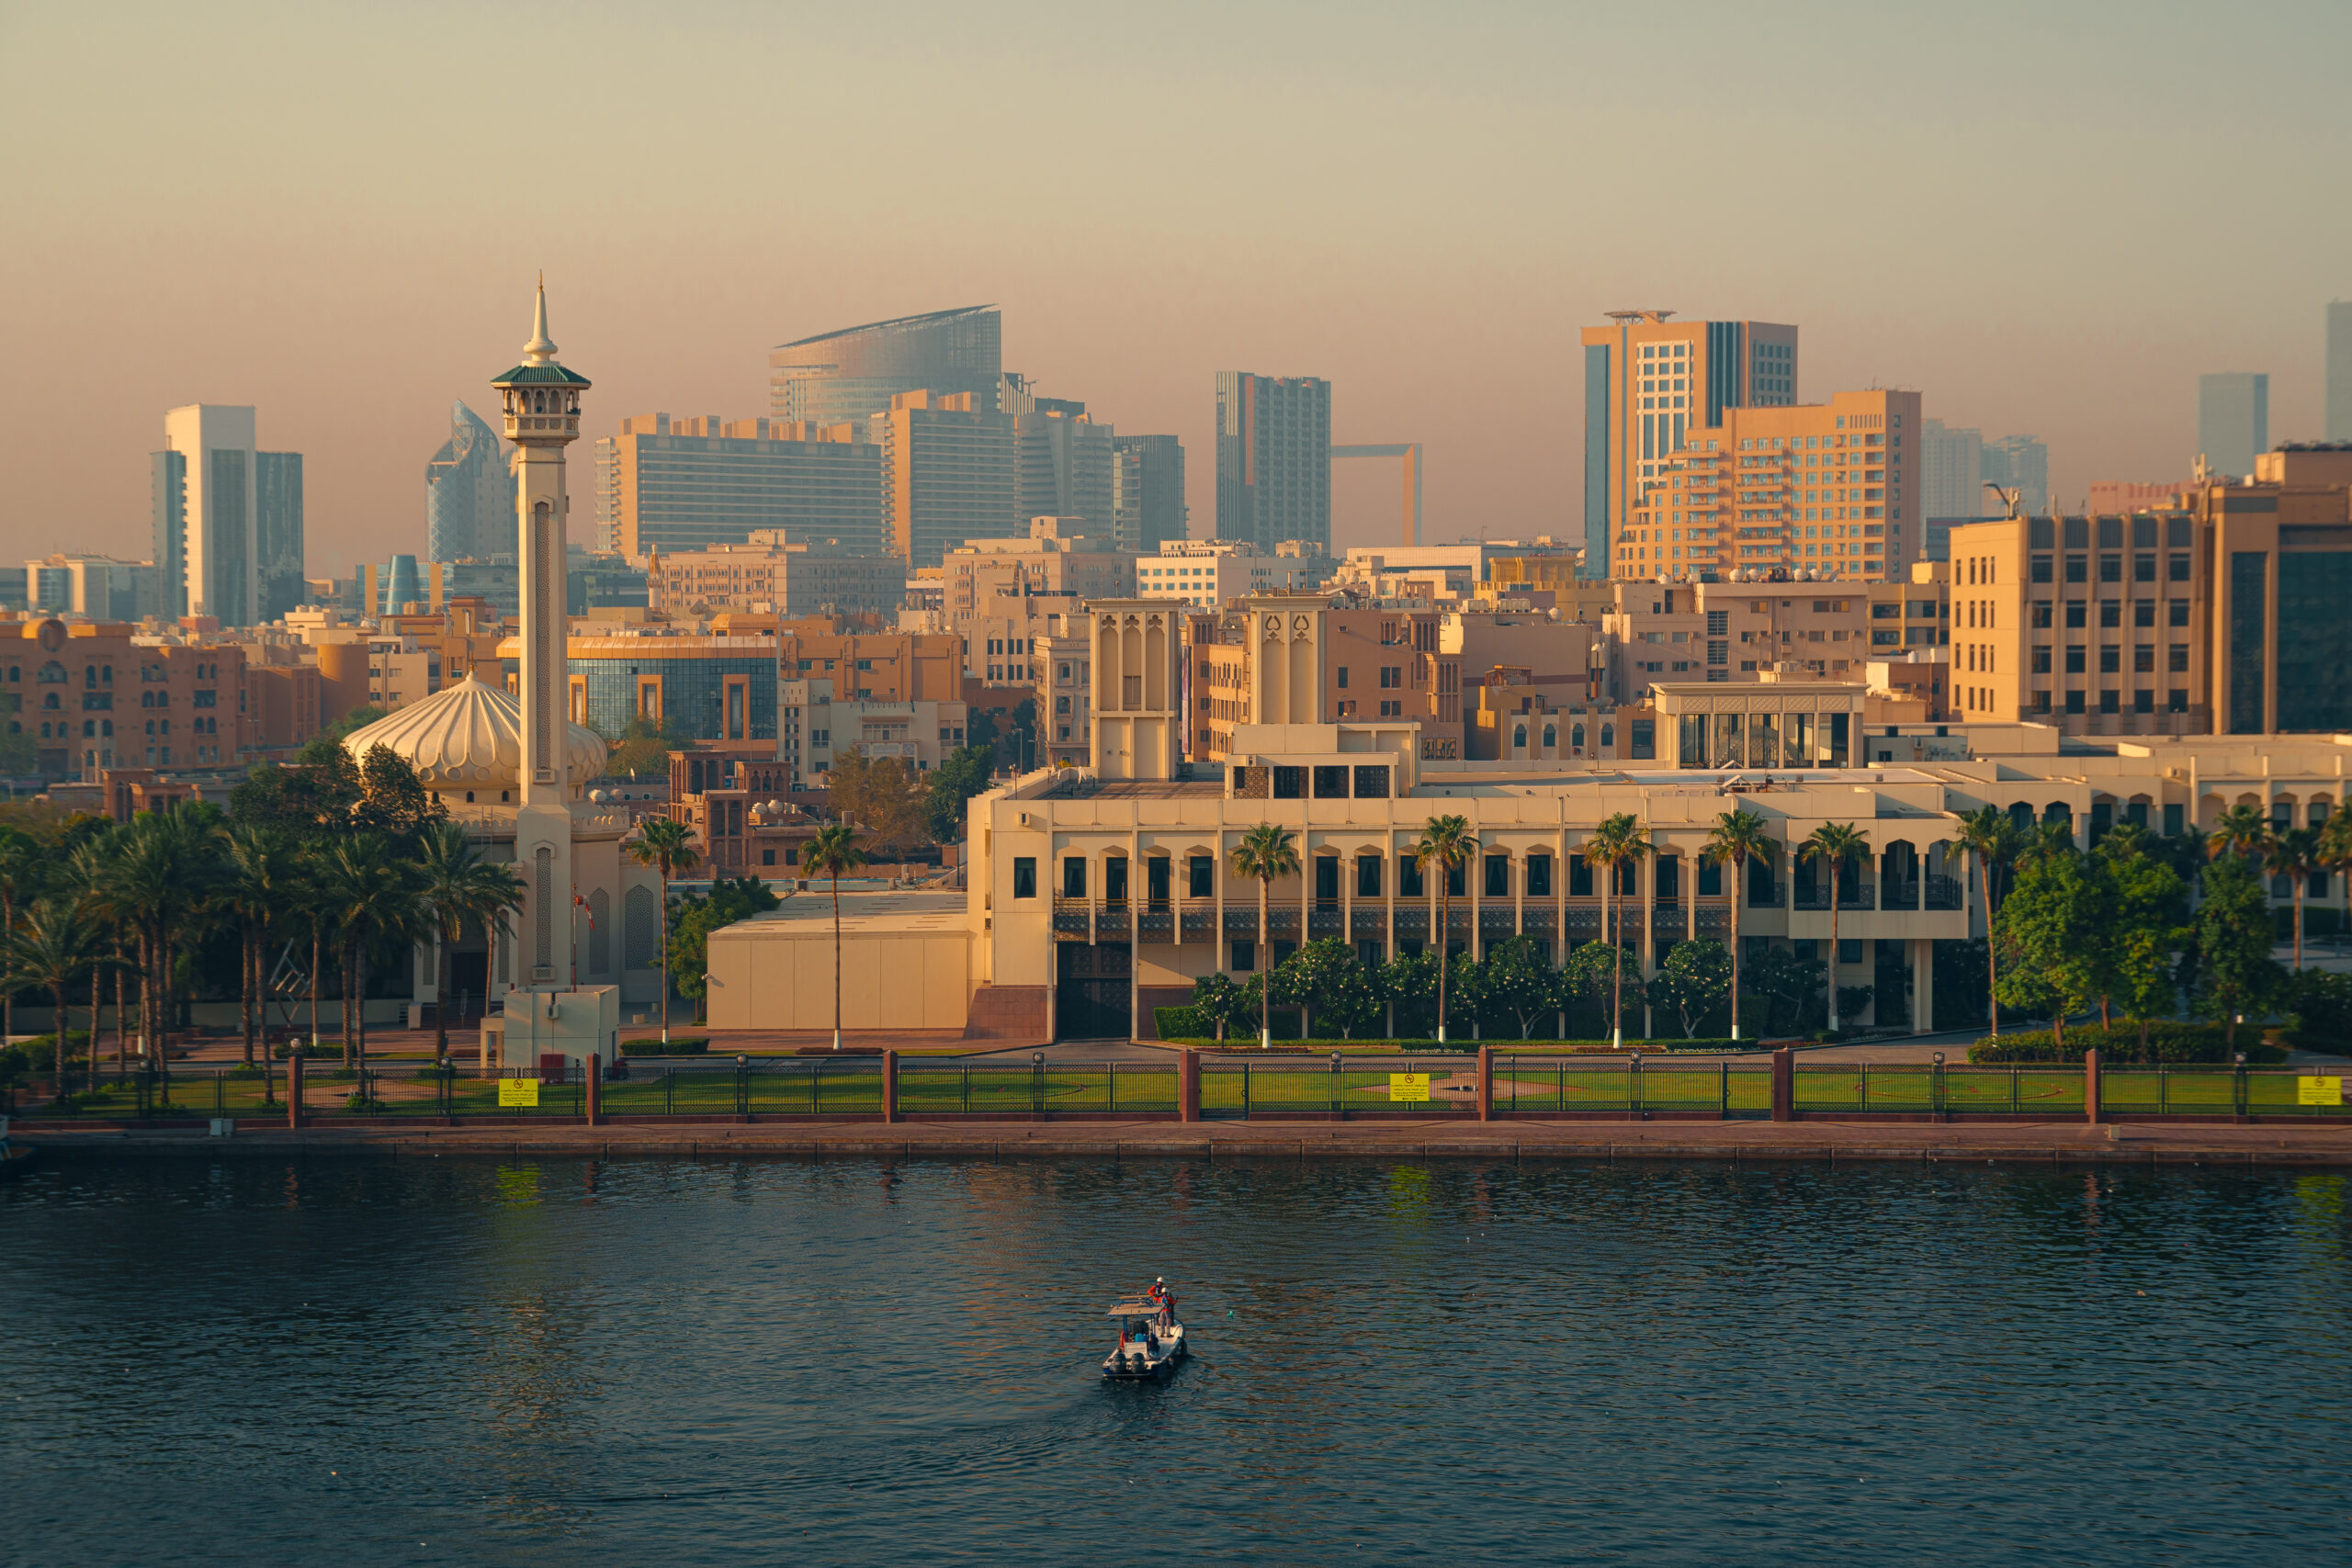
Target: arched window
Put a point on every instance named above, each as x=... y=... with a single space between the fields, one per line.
x=50 y=703
x=52 y=674
x=1576 y=735
x=1609 y=734
x=640 y=938
x=1519 y=737
x=106 y=727
x=600 y=932
x=1551 y=736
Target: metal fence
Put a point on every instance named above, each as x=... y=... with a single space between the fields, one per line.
x=1230 y=1087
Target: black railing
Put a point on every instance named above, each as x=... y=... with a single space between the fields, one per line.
x=1944 y=893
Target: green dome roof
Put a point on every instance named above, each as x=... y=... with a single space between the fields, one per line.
x=549 y=375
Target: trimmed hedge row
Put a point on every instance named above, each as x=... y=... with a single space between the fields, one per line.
x=655 y=1048
x=2168 y=1042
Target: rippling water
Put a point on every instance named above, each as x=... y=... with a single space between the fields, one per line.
x=463 y=1361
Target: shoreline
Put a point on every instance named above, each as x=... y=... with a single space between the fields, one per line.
x=2016 y=1142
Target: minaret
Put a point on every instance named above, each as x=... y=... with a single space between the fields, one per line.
x=542 y=404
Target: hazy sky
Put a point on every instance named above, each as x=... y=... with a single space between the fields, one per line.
x=2048 y=217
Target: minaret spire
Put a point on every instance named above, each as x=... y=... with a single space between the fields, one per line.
x=539 y=350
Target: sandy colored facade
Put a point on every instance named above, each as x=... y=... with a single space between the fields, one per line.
x=1738 y=631
x=1370 y=664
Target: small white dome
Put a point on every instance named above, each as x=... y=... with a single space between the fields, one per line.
x=469 y=736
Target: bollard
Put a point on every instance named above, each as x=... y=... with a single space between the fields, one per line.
x=1188 y=1086
x=1784 y=1085
x=2090 y=1085
x=1485 y=1083
x=889 y=1086
x=595 y=1083
x=294 y=1088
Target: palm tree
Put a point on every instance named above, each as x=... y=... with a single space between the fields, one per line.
x=260 y=889
x=2243 y=829
x=2335 y=855
x=1990 y=835
x=1839 y=843
x=665 y=843
x=1738 y=837
x=1446 y=845
x=454 y=885
x=57 y=942
x=1265 y=852
x=370 y=892
x=2294 y=853
x=1617 y=842
x=21 y=873
x=832 y=852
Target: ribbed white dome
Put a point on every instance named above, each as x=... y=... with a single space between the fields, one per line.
x=470 y=736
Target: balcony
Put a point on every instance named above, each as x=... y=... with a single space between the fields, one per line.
x=1241 y=920
x=1412 y=919
x=1370 y=919
x=1156 y=921
x=1282 y=920
x=1541 y=916
x=1327 y=918
x=1073 y=920
x=1712 y=917
x=1817 y=897
x=1114 y=919
x=1898 y=893
x=1669 y=917
x=1944 y=893
x=1199 y=918
x=1771 y=895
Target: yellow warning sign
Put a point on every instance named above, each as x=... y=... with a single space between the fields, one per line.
x=518 y=1091
x=1409 y=1086
x=2319 y=1091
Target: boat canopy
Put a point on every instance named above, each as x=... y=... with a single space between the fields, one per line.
x=1135 y=1306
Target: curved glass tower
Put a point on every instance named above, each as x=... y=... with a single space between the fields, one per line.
x=468 y=493
x=853 y=373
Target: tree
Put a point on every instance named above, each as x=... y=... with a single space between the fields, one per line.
x=1327 y=977
x=161 y=877
x=664 y=843
x=1840 y=844
x=2335 y=855
x=2147 y=929
x=1218 y=999
x=1793 y=989
x=2058 y=924
x=1617 y=842
x=832 y=852
x=2293 y=853
x=261 y=889
x=880 y=796
x=23 y=870
x=1691 y=981
x=56 y=944
x=643 y=746
x=961 y=774
x=2235 y=974
x=1518 y=979
x=1597 y=971
x=2242 y=830
x=454 y=885
x=1988 y=833
x=731 y=899
x=1265 y=852
x=370 y=892
x=1446 y=845
x=1737 y=838
x=1410 y=981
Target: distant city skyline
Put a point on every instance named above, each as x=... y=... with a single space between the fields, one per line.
x=1407 y=205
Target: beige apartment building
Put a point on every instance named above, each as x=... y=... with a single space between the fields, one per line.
x=1814 y=489
x=2228 y=616
x=999 y=593
x=1742 y=631
x=1371 y=665
x=770 y=575
x=666 y=484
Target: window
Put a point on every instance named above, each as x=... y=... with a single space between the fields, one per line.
x=2078 y=568
x=2110 y=660
x=2176 y=612
x=2176 y=658
x=2077 y=614
x=1245 y=957
x=2074 y=702
x=1199 y=878
x=2143 y=567
x=2041 y=612
x=2039 y=570
x=2143 y=701
x=1024 y=876
x=2108 y=703
x=2111 y=569
x=2074 y=655
x=1074 y=877
x=2144 y=658
x=2041 y=660
x=2176 y=701
x=2110 y=612
x=2144 y=612
x=2177 y=570
x=1343 y=677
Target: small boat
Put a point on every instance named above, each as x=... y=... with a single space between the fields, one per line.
x=1150 y=1340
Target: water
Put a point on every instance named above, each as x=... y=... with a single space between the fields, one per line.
x=471 y=1361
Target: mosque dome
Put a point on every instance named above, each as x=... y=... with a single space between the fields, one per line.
x=470 y=736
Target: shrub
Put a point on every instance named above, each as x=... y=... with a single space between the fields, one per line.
x=363 y=1105
x=1183 y=1023
x=39 y=1052
x=2168 y=1042
x=310 y=1053
x=2321 y=1003
x=656 y=1048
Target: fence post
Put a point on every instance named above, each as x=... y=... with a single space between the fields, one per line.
x=595 y=1084
x=294 y=1088
x=889 y=1086
x=2090 y=1085
x=1485 y=1083
x=1188 y=1086
x=1784 y=1085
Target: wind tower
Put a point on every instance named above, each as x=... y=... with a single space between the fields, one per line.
x=541 y=400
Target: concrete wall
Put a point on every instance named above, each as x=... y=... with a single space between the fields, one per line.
x=780 y=975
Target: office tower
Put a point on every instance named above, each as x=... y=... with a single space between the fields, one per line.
x=1273 y=459
x=2021 y=463
x=98 y=586
x=2339 y=370
x=468 y=493
x=1147 y=493
x=403 y=587
x=1830 y=488
x=1648 y=383
x=2232 y=421
x=946 y=474
x=227 y=519
x=667 y=484
x=853 y=373
x=1951 y=474
x=1061 y=466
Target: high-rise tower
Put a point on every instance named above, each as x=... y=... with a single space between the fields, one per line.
x=541 y=400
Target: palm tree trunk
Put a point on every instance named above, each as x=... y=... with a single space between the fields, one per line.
x=837 y=958
x=121 y=1021
x=1266 y=970
x=7 y=993
x=1616 y=964
x=249 y=987
x=1833 y=950
x=97 y=977
x=2299 y=922
x=346 y=962
x=1992 y=963
x=664 y=922
x=1444 y=921
x=1739 y=876
x=317 y=964
x=441 y=996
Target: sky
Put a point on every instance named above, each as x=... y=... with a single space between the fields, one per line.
x=2048 y=217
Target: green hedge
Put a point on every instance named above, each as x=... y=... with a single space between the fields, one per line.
x=38 y=1052
x=2168 y=1042
x=656 y=1048
x=1246 y=1039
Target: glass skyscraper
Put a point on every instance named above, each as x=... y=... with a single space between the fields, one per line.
x=853 y=373
x=468 y=493
x=2232 y=420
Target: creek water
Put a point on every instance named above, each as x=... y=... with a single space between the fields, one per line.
x=471 y=1360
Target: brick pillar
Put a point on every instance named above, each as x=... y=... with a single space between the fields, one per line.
x=889 y=1086
x=294 y=1088
x=2090 y=1085
x=1784 y=1085
x=1485 y=1083
x=1188 y=1086
x=594 y=1097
